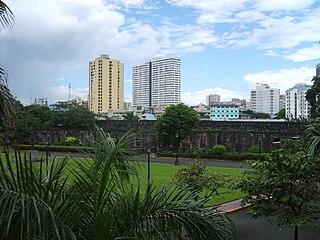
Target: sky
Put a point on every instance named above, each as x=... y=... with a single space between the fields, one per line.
x=226 y=47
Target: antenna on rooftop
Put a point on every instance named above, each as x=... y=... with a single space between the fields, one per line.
x=69 y=91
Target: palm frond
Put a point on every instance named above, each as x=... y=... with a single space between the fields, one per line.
x=30 y=197
x=313 y=137
x=7 y=107
x=6 y=15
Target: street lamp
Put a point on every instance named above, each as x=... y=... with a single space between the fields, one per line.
x=148 y=152
x=47 y=152
x=176 y=162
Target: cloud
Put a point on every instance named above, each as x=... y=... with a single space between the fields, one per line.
x=194 y=98
x=305 y=54
x=62 y=93
x=284 y=78
x=128 y=81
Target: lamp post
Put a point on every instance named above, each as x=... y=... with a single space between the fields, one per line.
x=176 y=162
x=32 y=140
x=148 y=152
x=47 y=152
x=8 y=145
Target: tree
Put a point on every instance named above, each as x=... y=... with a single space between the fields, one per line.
x=175 y=124
x=195 y=178
x=7 y=107
x=285 y=182
x=313 y=138
x=130 y=116
x=97 y=200
x=313 y=97
x=281 y=114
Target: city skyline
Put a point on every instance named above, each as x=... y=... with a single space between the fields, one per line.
x=225 y=47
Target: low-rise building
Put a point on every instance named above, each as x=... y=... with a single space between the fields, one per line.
x=224 y=112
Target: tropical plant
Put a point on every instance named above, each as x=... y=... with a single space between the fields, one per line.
x=286 y=182
x=130 y=116
x=313 y=137
x=97 y=200
x=7 y=109
x=197 y=180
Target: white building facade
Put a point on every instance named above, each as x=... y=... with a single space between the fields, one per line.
x=265 y=99
x=157 y=83
x=297 y=106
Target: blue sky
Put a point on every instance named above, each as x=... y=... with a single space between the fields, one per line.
x=226 y=46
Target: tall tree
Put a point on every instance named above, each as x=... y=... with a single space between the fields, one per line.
x=175 y=124
x=7 y=107
x=313 y=97
x=285 y=182
x=98 y=201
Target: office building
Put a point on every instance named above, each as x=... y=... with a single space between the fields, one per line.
x=157 y=83
x=297 y=107
x=213 y=99
x=106 y=84
x=282 y=101
x=318 y=70
x=265 y=99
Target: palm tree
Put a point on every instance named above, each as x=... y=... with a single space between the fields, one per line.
x=313 y=137
x=98 y=200
x=7 y=109
x=130 y=116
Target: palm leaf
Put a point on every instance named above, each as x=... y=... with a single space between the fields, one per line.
x=6 y=15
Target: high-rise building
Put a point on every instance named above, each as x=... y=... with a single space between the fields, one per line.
x=282 y=101
x=106 y=84
x=265 y=99
x=157 y=83
x=297 y=105
x=213 y=99
x=318 y=70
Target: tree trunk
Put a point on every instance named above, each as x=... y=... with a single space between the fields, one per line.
x=296 y=232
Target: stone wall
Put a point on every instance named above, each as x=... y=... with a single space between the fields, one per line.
x=235 y=135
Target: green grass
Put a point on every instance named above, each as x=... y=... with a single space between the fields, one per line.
x=163 y=173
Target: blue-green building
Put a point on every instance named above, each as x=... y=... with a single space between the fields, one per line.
x=224 y=112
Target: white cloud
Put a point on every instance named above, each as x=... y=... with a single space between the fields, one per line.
x=194 y=98
x=305 y=54
x=62 y=93
x=284 y=78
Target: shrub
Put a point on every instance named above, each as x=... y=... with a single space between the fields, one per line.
x=254 y=149
x=219 y=150
x=71 y=141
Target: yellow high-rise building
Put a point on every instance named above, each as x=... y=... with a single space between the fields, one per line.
x=106 y=84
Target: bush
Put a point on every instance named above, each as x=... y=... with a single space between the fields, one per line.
x=254 y=149
x=71 y=141
x=219 y=150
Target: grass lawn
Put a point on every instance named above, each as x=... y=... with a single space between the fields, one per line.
x=162 y=173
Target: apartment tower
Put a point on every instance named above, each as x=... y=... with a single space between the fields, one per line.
x=157 y=83
x=213 y=99
x=106 y=84
x=297 y=106
x=318 y=70
x=265 y=99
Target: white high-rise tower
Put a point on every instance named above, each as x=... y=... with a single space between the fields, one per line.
x=157 y=83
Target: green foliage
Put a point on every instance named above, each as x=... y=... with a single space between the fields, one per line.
x=254 y=149
x=313 y=137
x=195 y=178
x=97 y=200
x=175 y=124
x=208 y=154
x=281 y=114
x=129 y=116
x=219 y=150
x=291 y=146
x=257 y=115
x=71 y=140
x=285 y=181
x=313 y=97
